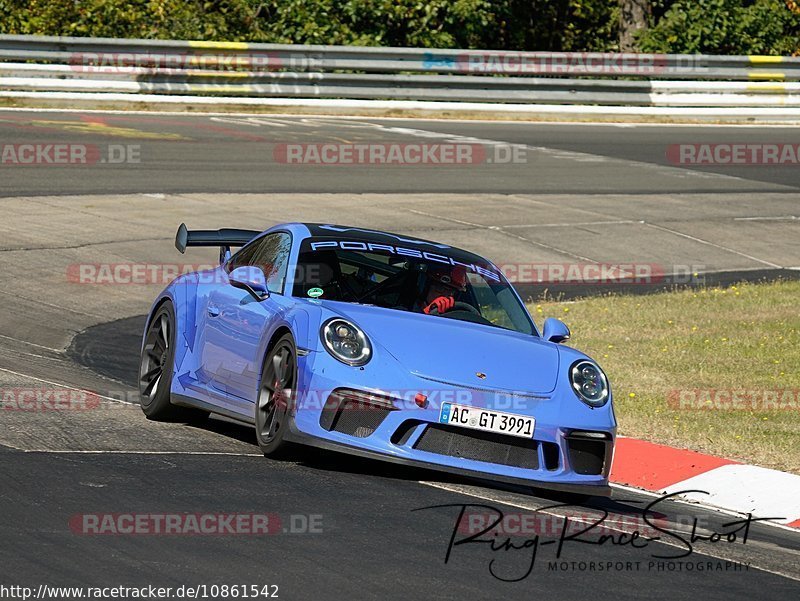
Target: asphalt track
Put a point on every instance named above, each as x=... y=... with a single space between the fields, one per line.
x=585 y=193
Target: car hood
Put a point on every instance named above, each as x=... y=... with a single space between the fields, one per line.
x=455 y=352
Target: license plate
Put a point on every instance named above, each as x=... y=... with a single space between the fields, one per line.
x=488 y=421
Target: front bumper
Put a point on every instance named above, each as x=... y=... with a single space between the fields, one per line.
x=558 y=457
x=296 y=436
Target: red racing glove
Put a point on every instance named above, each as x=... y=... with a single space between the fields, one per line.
x=443 y=304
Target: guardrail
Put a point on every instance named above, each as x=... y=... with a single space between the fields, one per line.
x=42 y=65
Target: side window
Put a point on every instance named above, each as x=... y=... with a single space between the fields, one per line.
x=271 y=254
x=243 y=257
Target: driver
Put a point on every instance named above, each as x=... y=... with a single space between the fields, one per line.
x=443 y=283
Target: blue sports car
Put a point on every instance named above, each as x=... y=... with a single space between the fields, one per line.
x=378 y=345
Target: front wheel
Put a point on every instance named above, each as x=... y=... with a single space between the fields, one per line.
x=275 y=396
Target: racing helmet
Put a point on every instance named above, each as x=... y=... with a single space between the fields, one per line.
x=454 y=277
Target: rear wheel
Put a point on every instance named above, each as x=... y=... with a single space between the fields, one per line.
x=156 y=367
x=275 y=396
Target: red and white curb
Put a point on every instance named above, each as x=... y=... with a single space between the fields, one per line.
x=730 y=485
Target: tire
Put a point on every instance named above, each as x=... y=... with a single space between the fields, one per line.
x=155 y=370
x=275 y=397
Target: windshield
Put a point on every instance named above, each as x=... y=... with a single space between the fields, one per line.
x=406 y=279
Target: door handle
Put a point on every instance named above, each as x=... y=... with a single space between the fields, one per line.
x=213 y=311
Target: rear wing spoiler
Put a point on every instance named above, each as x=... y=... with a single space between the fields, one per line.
x=224 y=238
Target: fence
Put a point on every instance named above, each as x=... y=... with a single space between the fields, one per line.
x=32 y=65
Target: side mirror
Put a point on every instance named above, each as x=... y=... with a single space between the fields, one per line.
x=555 y=330
x=252 y=279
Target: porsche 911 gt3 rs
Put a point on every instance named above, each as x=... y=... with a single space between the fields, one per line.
x=380 y=345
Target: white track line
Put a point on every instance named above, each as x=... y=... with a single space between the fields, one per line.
x=122 y=452
x=67 y=386
x=571 y=155
x=47 y=348
x=717 y=246
x=728 y=512
x=26 y=354
x=575 y=224
x=779 y=218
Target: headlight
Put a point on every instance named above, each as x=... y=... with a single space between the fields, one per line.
x=346 y=342
x=589 y=383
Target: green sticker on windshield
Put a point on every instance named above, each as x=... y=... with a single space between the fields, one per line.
x=315 y=292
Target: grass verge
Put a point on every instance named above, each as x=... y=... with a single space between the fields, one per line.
x=715 y=370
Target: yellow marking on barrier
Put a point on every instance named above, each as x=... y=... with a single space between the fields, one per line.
x=760 y=59
x=221 y=88
x=766 y=87
x=766 y=75
x=220 y=45
x=96 y=127
x=217 y=74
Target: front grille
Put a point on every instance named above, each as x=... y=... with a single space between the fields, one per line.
x=358 y=419
x=479 y=446
x=354 y=413
x=587 y=456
